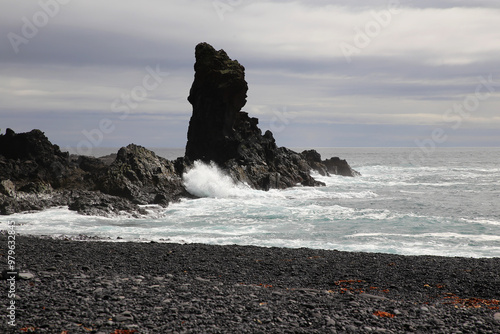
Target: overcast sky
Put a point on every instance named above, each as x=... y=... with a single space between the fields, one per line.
x=320 y=73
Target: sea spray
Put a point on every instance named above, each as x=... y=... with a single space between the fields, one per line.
x=208 y=180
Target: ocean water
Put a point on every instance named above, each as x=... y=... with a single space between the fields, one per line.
x=447 y=202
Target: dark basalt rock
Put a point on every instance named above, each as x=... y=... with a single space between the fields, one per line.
x=25 y=202
x=139 y=175
x=25 y=157
x=219 y=131
x=218 y=93
x=338 y=166
x=83 y=201
x=334 y=165
x=313 y=158
x=98 y=204
x=30 y=168
x=35 y=174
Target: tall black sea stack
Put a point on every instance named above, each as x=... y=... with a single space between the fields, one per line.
x=218 y=93
x=219 y=131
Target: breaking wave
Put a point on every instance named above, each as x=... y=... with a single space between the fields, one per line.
x=208 y=180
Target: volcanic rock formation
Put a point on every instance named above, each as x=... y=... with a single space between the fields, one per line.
x=35 y=174
x=219 y=131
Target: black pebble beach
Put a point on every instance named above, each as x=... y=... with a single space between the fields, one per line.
x=123 y=287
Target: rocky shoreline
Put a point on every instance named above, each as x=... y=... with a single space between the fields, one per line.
x=118 y=287
x=35 y=174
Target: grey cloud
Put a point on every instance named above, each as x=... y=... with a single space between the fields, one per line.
x=374 y=76
x=92 y=47
x=81 y=68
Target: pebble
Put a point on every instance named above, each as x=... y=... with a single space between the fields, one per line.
x=125 y=316
x=199 y=279
x=370 y=296
x=26 y=275
x=351 y=329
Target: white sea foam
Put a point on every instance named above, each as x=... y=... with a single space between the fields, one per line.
x=443 y=235
x=208 y=180
x=482 y=221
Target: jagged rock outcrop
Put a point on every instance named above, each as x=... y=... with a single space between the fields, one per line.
x=332 y=166
x=139 y=175
x=30 y=168
x=35 y=174
x=339 y=166
x=30 y=157
x=219 y=131
x=313 y=158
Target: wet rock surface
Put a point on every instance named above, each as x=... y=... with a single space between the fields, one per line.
x=101 y=287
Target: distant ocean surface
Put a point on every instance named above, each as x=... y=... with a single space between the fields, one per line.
x=447 y=204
